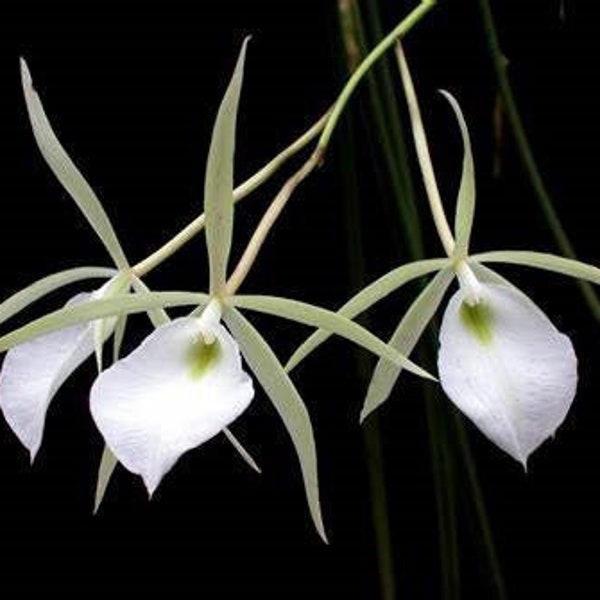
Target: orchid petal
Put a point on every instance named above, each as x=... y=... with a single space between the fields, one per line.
x=543 y=260
x=307 y=314
x=171 y=394
x=97 y=309
x=507 y=368
x=67 y=173
x=241 y=450
x=218 y=184
x=287 y=402
x=23 y=298
x=108 y=464
x=33 y=371
x=366 y=298
x=405 y=338
x=160 y=317
x=465 y=204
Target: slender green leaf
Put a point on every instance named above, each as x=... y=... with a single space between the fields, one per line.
x=405 y=338
x=67 y=173
x=108 y=463
x=465 y=204
x=218 y=184
x=542 y=260
x=241 y=450
x=368 y=296
x=96 y=309
x=308 y=314
x=23 y=298
x=286 y=400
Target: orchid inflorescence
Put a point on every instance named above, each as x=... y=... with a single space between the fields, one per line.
x=501 y=361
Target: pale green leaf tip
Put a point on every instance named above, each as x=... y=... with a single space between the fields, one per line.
x=364 y=413
x=322 y=534
x=25 y=74
x=97 y=503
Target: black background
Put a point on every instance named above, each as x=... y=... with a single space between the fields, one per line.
x=132 y=90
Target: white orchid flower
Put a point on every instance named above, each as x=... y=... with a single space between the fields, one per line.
x=185 y=382
x=180 y=387
x=33 y=372
x=501 y=361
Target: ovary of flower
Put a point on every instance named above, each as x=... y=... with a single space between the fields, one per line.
x=180 y=387
x=33 y=372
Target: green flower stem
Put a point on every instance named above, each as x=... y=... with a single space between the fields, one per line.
x=327 y=123
x=526 y=153
x=399 y=31
x=271 y=214
x=387 y=121
x=194 y=227
x=422 y=148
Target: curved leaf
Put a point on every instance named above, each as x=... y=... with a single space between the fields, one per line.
x=368 y=296
x=218 y=183
x=286 y=400
x=67 y=173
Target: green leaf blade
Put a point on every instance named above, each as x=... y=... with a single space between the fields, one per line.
x=218 y=184
x=366 y=298
x=67 y=173
x=287 y=402
x=405 y=338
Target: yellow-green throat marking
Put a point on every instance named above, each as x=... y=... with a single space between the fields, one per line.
x=203 y=356
x=478 y=320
